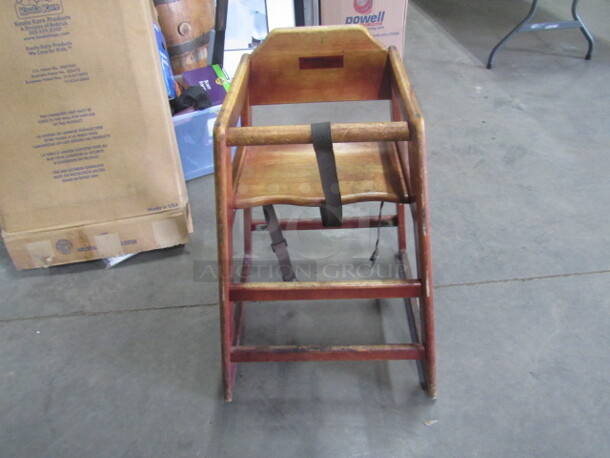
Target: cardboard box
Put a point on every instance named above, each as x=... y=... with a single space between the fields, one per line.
x=385 y=19
x=89 y=165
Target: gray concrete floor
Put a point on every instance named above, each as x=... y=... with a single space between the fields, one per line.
x=125 y=362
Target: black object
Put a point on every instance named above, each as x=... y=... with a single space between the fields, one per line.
x=220 y=28
x=194 y=96
x=299 y=13
x=331 y=211
x=375 y=253
x=278 y=243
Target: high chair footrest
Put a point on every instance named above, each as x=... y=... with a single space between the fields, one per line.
x=315 y=224
x=312 y=290
x=327 y=353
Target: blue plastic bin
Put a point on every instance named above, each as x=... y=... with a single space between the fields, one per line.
x=195 y=135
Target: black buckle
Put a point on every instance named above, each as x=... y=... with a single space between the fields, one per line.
x=278 y=243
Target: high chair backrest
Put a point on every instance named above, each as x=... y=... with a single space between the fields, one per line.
x=318 y=64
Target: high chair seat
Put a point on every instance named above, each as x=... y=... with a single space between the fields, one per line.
x=288 y=174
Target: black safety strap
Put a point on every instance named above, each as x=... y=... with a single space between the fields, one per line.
x=375 y=253
x=331 y=211
x=278 y=243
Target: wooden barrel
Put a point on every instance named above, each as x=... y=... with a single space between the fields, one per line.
x=186 y=26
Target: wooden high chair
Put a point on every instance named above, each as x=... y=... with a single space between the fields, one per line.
x=376 y=161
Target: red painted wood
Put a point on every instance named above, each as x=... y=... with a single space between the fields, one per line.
x=327 y=353
x=316 y=224
x=312 y=290
x=402 y=228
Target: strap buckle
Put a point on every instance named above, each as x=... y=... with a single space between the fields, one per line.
x=274 y=245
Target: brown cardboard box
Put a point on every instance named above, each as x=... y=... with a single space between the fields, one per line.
x=385 y=19
x=89 y=166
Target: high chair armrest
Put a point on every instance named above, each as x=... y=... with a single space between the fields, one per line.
x=236 y=98
x=232 y=109
x=298 y=134
x=414 y=163
x=409 y=106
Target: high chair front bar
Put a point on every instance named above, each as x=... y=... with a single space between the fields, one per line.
x=376 y=161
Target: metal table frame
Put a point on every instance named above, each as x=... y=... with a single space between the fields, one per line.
x=526 y=26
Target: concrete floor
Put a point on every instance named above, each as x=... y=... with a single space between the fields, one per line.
x=125 y=362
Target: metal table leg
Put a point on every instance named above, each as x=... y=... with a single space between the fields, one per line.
x=526 y=26
x=583 y=29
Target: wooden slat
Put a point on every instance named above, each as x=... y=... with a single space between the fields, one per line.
x=313 y=290
x=284 y=135
x=326 y=353
x=316 y=224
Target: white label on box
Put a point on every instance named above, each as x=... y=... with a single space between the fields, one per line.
x=385 y=19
